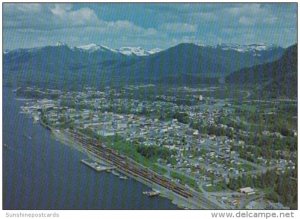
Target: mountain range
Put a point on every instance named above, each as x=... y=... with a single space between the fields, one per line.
x=277 y=78
x=185 y=63
x=95 y=48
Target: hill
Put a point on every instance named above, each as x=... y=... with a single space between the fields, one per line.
x=94 y=64
x=275 y=79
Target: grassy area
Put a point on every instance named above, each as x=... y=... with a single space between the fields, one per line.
x=218 y=187
x=246 y=107
x=247 y=167
x=158 y=169
x=184 y=179
x=130 y=150
x=271 y=194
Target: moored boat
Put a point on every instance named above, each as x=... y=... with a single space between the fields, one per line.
x=151 y=193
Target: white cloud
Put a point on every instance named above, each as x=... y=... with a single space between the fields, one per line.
x=251 y=14
x=244 y=9
x=270 y=20
x=169 y=23
x=122 y=25
x=179 y=27
x=208 y=16
x=63 y=14
x=25 y=8
x=246 y=20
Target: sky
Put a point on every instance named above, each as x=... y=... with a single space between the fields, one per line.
x=148 y=25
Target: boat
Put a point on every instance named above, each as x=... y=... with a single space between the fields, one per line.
x=36 y=119
x=151 y=193
x=115 y=173
x=123 y=177
x=29 y=137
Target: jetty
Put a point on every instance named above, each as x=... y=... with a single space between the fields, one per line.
x=96 y=166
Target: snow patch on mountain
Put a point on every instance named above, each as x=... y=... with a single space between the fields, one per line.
x=128 y=51
x=247 y=48
x=92 y=47
x=138 y=51
x=155 y=50
x=59 y=43
x=259 y=47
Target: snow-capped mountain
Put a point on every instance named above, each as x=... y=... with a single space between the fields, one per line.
x=137 y=51
x=257 y=49
x=254 y=49
x=181 y=61
x=242 y=48
x=155 y=50
x=128 y=51
x=94 y=47
x=247 y=48
x=59 y=43
x=276 y=79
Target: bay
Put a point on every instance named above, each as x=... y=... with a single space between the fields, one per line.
x=39 y=172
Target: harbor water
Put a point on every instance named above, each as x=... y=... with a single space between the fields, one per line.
x=41 y=173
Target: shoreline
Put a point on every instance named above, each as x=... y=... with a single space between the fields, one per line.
x=181 y=202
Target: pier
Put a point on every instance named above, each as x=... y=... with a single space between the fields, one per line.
x=96 y=166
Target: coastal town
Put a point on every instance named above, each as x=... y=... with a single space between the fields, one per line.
x=194 y=139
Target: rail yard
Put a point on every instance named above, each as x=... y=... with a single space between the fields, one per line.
x=133 y=169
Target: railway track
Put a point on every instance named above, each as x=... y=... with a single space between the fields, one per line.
x=133 y=168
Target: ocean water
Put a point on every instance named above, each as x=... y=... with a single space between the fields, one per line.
x=42 y=173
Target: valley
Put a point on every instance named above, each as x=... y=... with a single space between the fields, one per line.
x=211 y=143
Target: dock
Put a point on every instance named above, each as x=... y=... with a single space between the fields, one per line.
x=96 y=166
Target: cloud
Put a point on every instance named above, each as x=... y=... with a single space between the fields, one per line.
x=251 y=14
x=22 y=7
x=270 y=20
x=122 y=25
x=179 y=27
x=63 y=14
x=63 y=22
x=208 y=16
x=220 y=14
x=244 y=9
x=246 y=20
x=47 y=16
x=156 y=25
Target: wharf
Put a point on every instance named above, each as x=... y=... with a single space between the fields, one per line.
x=96 y=166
